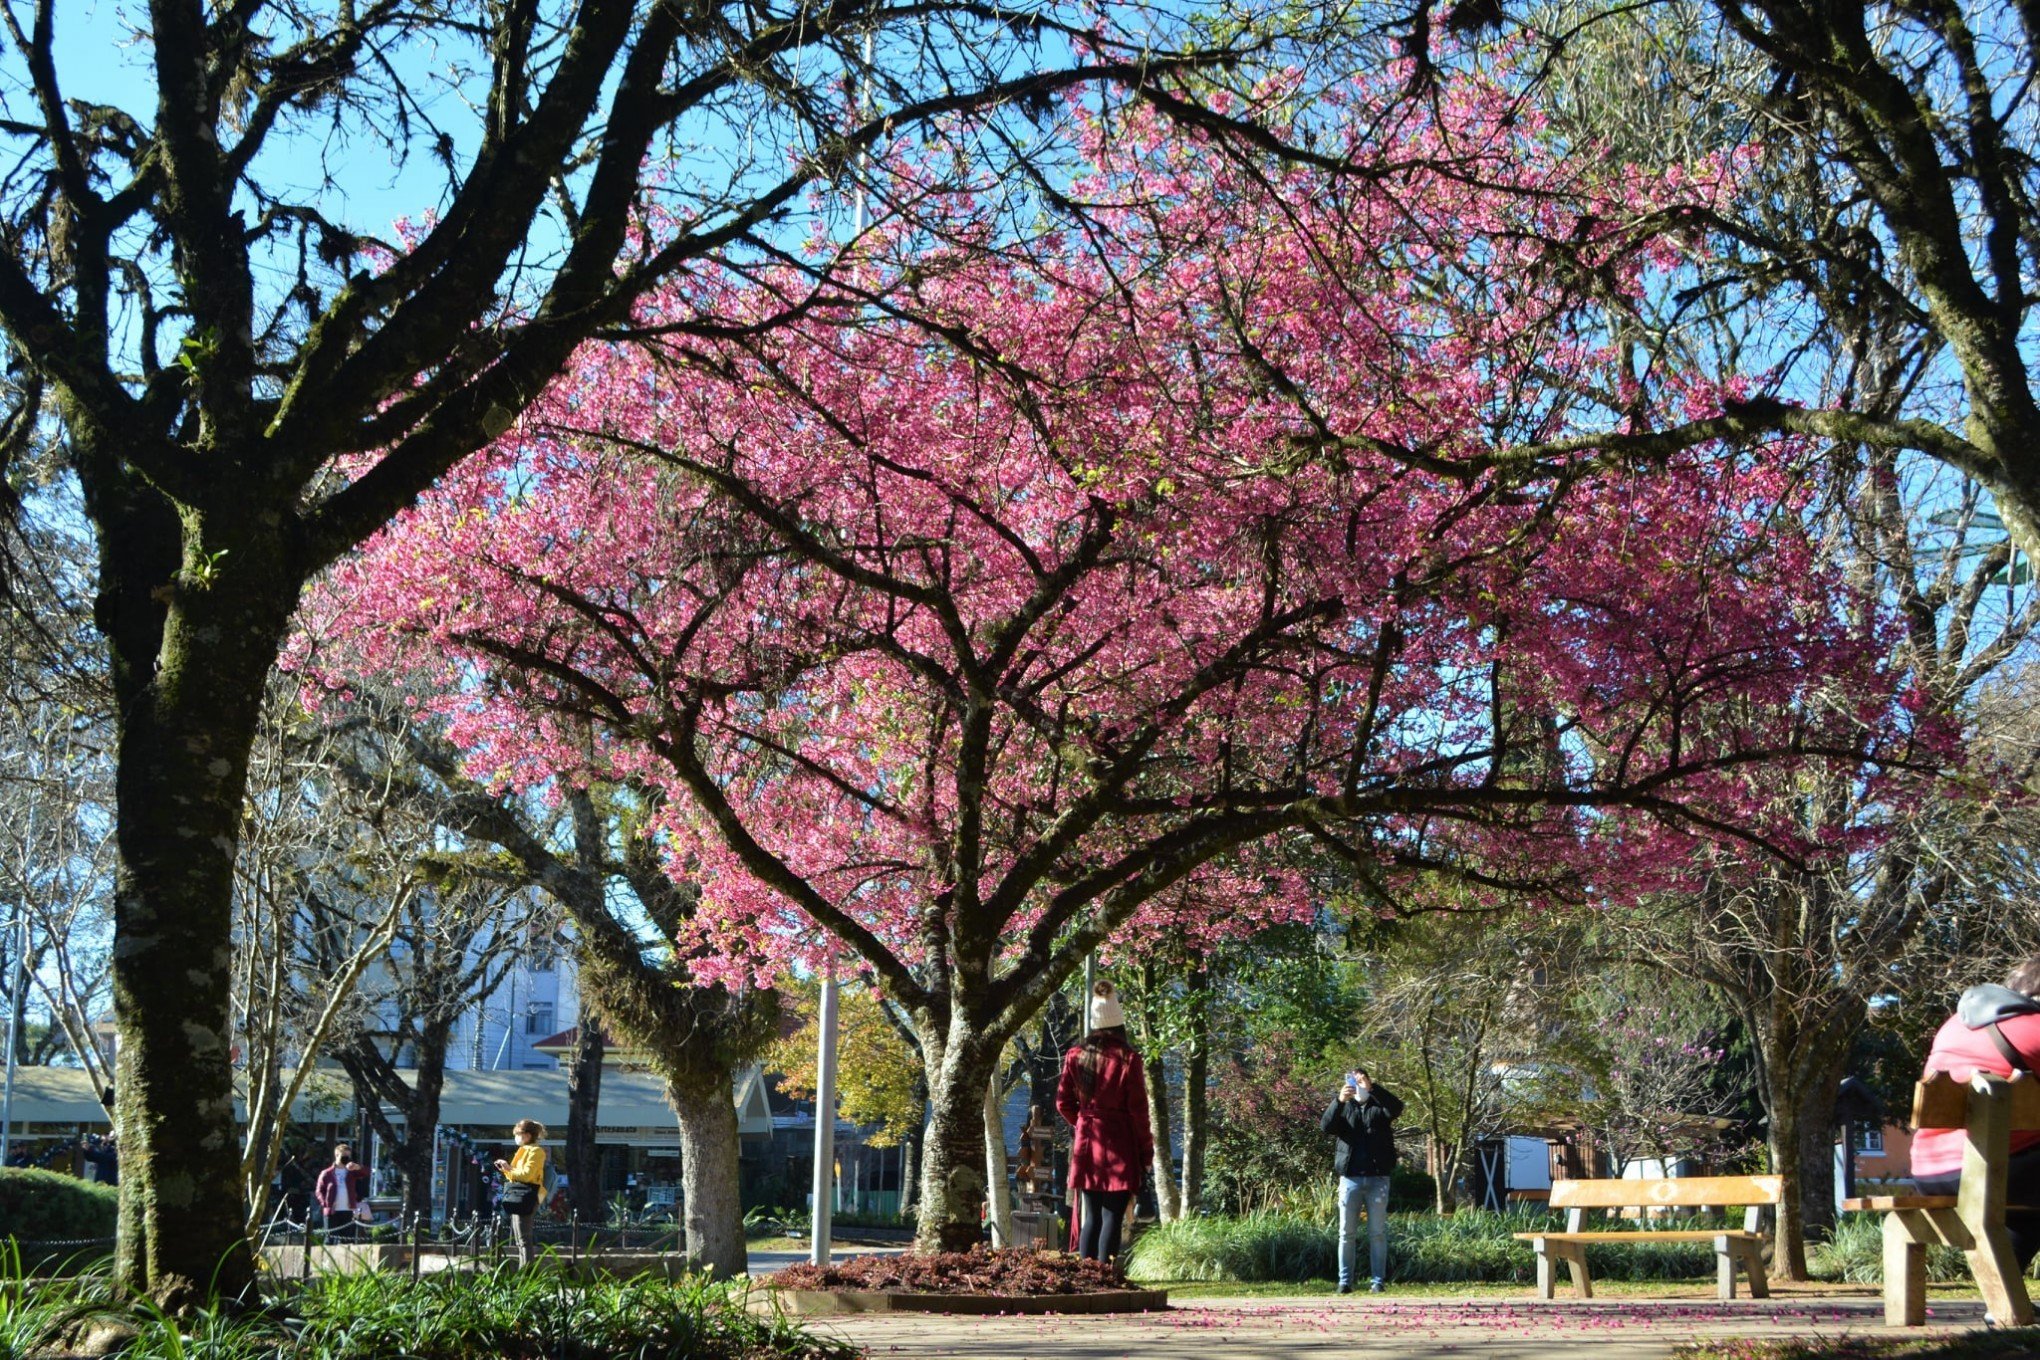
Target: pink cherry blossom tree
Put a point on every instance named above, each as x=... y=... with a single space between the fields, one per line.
x=969 y=612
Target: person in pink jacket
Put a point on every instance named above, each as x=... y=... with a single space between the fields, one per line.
x=1103 y=1094
x=1997 y=1030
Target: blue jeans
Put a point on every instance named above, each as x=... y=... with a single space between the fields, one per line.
x=1351 y=1191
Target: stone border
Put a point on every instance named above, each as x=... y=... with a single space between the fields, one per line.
x=829 y=1302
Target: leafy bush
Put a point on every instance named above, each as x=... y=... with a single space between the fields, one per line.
x=42 y=1205
x=977 y=1271
x=371 y=1316
x=1471 y=1245
x=1411 y=1191
x=1855 y=1254
x=1264 y=1245
x=1265 y=1148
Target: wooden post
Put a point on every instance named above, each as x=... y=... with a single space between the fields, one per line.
x=1905 y=1273
x=1980 y=1204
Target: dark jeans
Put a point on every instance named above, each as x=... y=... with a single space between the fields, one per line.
x=2022 y=1188
x=338 y=1219
x=1104 y=1212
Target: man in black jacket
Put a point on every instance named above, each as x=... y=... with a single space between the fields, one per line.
x=1361 y=1120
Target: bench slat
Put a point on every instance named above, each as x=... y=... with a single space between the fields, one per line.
x=1941 y=1102
x=1888 y=1203
x=1685 y=1191
x=1639 y=1235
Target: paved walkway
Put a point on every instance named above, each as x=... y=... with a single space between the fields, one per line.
x=1366 y=1328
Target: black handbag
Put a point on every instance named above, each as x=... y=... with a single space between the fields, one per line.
x=519 y=1197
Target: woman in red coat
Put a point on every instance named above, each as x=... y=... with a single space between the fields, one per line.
x=1103 y=1094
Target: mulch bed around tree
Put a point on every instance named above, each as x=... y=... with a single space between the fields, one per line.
x=974 y=1281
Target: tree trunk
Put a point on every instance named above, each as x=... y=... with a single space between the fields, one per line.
x=1788 y=1258
x=1196 y=1095
x=1801 y=1142
x=952 y=1161
x=1166 y=1204
x=1800 y=1059
x=910 y=1171
x=413 y=1160
x=584 y=1094
x=1444 y=1159
x=190 y=688
x=1001 y=1215
x=421 y=1131
x=710 y=1180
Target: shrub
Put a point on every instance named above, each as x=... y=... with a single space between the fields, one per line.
x=48 y=1205
x=1855 y=1254
x=519 y=1315
x=1471 y=1246
x=1411 y=1191
x=1265 y=1245
x=507 y=1312
x=1265 y=1147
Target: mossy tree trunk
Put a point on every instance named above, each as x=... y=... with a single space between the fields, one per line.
x=710 y=1184
x=953 y=1154
x=193 y=608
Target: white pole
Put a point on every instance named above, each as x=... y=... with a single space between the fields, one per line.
x=1084 y=1001
x=821 y=1197
x=509 y=1021
x=825 y=1118
x=16 y=999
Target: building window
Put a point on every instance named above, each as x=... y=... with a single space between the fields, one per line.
x=1870 y=1139
x=538 y=1020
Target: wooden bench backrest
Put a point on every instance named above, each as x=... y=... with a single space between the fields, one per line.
x=1685 y=1191
x=1941 y=1102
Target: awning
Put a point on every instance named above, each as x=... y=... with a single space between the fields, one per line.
x=631 y=1101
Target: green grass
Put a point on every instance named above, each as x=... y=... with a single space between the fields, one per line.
x=2019 y=1344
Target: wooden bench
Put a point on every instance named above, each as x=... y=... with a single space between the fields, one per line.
x=1973 y=1220
x=1731 y=1249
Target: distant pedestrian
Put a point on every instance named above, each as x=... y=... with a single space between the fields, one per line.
x=524 y=1185
x=1361 y=1118
x=103 y=1156
x=340 y=1190
x=1103 y=1094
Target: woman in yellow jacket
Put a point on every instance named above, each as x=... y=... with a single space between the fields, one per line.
x=524 y=1185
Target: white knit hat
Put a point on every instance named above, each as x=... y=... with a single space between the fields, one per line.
x=1105 y=1012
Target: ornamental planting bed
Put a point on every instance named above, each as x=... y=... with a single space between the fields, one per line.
x=974 y=1281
